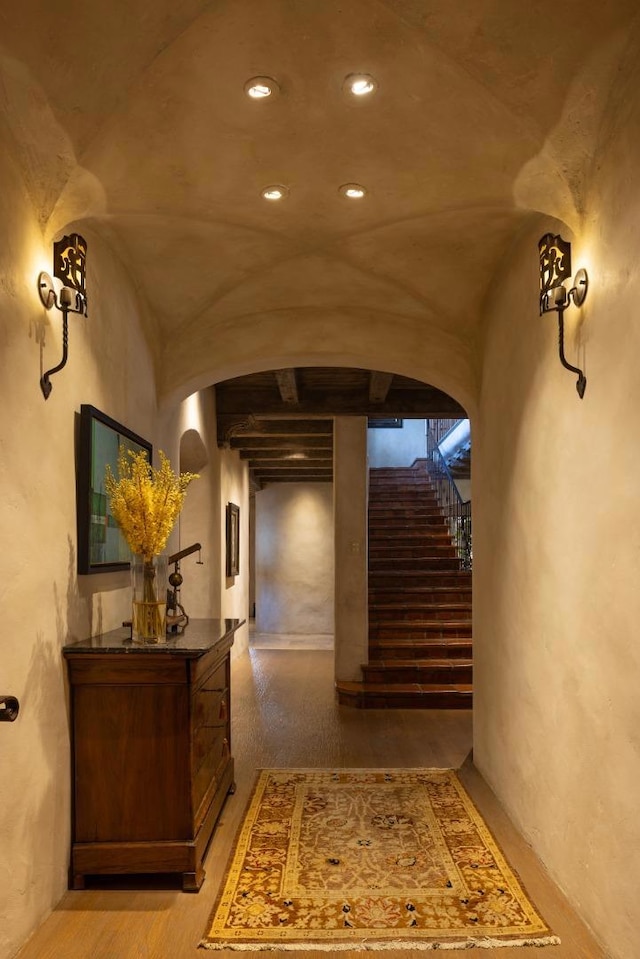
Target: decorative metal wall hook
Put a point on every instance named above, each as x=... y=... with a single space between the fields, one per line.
x=69 y=266
x=555 y=269
x=177 y=618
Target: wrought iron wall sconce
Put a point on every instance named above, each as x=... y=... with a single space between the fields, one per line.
x=555 y=270
x=69 y=266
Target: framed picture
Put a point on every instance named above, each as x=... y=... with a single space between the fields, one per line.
x=233 y=539
x=101 y=546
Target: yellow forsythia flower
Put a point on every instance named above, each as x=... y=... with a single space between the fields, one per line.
x=145 y=501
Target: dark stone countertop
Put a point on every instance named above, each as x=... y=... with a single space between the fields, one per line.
x=198 y=637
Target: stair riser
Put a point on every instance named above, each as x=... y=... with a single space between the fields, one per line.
x=417 y=700
x=430 y=675
x=401 y=598
x=400 y=529
x=413 y=564
x=381 y=634
x=385 y=580
x=425 y=536
x=426 y=551
x=381 y=651
x=426 y=613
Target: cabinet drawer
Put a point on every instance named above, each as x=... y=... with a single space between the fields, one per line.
x=209 y=707
x=211 y=763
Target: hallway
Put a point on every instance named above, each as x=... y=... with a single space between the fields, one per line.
x=284 y=714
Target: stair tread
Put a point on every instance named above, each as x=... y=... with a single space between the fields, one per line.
x=463 y=662
x=400 y=642
x=407 y=687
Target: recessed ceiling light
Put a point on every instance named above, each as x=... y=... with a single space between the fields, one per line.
x=275 y=192
x=360 y=84
x=259 y=88
x=353 y=191
x=297 y=456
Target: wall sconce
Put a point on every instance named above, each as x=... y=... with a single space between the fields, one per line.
x=69 y=266
x=555 y=268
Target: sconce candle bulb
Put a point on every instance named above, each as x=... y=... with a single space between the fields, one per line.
x=555 y=269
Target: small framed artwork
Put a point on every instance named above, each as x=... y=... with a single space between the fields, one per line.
x=101 y=546
x=233 y=539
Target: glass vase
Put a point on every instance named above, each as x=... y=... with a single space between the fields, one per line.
x=149 y=614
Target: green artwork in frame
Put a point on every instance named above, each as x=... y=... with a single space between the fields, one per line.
x=101 y=546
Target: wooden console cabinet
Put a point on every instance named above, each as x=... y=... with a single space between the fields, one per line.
x=151 y=750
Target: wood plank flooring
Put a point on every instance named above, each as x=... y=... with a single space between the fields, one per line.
x=285 y=714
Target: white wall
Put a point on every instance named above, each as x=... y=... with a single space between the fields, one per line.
x=396 y=447
x=294 y=558
x=557 y=554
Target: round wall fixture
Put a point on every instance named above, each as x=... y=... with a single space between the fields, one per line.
x=275 y=192
x=260 y=88
x=353 y=191
x=360 y=84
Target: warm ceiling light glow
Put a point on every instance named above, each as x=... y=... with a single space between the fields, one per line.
x=275 y=192
x=259 y=88
x=297 y=456
x=360 y=84
x=353 y=191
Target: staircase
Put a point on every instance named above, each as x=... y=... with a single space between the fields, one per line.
x=419 y=601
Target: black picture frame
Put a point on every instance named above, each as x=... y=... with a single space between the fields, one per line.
x=101 y=546
x=233 y=540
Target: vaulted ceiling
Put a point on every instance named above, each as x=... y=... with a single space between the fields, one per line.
x=130 y=121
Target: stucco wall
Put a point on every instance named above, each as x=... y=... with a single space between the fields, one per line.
x=234 y=600
x=44 y=603
x=557 y=558
x=294 y=558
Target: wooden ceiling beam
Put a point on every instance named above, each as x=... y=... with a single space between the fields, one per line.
x=321 y=455
x=379 y=384
x=288 y=386
x=315 y=477
x=239 y=424
x=292 y=443
x=416 y=403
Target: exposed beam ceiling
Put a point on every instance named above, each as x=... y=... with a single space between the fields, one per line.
x=281 y=421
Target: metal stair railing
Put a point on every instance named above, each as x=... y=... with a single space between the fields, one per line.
x=456 y=511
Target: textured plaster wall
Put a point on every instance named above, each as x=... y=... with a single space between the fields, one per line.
x=350 y=499
x=44 y=603
x=396 y=447
x=234 y=599
x=557 y=555
x=199 y=520
x=294 y=558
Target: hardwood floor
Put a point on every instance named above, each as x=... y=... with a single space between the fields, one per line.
x=284 y=714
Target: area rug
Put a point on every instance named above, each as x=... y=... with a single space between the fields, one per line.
x=368 y=859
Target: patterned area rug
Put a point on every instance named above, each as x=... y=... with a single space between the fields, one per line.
x=368 y=859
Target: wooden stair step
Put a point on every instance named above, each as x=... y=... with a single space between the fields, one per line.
x=396 y=600
x=412 y=564
x=458 y=647
x=428 y=535
x=410 y=612
x=429 y=671
x=405 y=695
x=425 y=550
x=419 y=632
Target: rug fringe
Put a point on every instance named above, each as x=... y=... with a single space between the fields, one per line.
x=372 y=946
